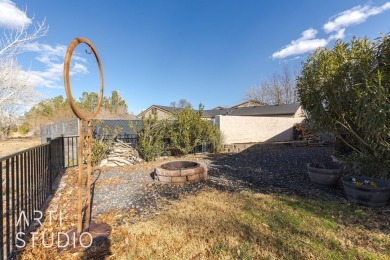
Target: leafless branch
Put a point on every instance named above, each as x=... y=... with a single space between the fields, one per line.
x=278 y=89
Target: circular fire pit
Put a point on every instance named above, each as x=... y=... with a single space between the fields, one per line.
x=181 y=172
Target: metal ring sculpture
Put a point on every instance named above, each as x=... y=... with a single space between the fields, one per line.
x=96 y=230
x=68 y=57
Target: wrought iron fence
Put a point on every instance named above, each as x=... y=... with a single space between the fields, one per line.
x=27 y=178
x=71 y=150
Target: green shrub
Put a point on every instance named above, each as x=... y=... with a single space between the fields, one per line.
x=189 y=130
x=346 y=90
x=179 y=136
x=185 y=132
x=101 y=147
x=150 y=137
x=99 y=151
x=24 y=128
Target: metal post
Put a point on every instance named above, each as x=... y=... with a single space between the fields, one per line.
x=85 y=139
x=80 y=183
x=89 y=172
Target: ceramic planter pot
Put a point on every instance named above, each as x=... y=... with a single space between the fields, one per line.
x=366 y=194
x=324 y=176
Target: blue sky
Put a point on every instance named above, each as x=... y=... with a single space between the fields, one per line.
x=209 y=51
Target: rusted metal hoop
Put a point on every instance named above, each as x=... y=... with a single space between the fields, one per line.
x=68 y=57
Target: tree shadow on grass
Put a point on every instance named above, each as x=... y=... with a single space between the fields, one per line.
x=282 y=171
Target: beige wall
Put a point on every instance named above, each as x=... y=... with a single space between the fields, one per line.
x=299 y=112
x=245 y=129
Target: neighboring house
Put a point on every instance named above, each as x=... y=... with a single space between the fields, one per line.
x=247 y=124
x=249 y=103
x=162 y=112
x=269 y=123
x=283 y=110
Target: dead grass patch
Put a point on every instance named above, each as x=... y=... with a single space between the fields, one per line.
x=13 y=145
x=246 y=225
x=224 y=225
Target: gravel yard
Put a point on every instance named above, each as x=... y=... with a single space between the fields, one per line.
x=260 y=202
x=271 y=170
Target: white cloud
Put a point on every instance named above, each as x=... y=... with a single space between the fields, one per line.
x=338 y=35
x=353 y=16
x=335 y=28
x=11 y=17
x=78 y=68
x=307 y=42
x=52 y=58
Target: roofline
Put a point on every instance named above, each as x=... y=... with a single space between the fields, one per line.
x=226 y=109
x=156 y=106
x=252 y=100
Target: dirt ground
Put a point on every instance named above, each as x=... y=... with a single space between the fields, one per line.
x=15 y=144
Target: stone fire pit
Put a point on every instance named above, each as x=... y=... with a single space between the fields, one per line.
x=181 y=172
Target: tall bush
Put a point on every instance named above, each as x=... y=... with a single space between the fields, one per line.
x=346 y=90
x=189 y=129
x=150 y=136
x=179 y=136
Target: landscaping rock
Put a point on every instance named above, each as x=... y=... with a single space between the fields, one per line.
x=121 y=154
x=278 y=170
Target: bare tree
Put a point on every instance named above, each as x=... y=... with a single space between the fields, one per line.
x=182 y=103
x=14 y=39
x=17 y=92
x=278 y=89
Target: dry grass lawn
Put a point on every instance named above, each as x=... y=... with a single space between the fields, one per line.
x=223 y=225
x=12 y=145
x=220 y=225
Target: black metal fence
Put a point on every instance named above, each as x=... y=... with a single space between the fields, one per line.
x=27 y=178
x=131 y=139
x=71 y=150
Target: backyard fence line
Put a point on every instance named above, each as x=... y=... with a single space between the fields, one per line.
x=71 y=127
x=27 y=179
x=57 y=129
x=71 y=150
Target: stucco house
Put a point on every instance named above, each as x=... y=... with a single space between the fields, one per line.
x=162 y=112
x=246 y=124
x=283 y=110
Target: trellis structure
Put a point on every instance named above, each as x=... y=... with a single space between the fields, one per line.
x=85 y=147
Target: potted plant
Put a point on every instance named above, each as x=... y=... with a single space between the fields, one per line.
x=324 y=173
x=367 y=191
